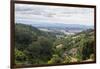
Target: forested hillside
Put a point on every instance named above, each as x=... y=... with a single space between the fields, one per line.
x=33 y=46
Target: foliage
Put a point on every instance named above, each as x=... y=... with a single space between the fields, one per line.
x=55 y=60
x=20 y=57
x=33 y=46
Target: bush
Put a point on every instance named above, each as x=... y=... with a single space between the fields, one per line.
x=55 y=60
x=20 y=57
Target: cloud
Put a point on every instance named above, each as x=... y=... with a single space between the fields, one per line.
x=54 y=14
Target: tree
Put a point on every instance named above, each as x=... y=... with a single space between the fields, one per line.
x=88 y=49
x=39 y=51
x=20 y=57
x=24 y=36
x=55 y=60
x=46 y=47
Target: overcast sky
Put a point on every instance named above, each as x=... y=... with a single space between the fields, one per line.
x=28 y=14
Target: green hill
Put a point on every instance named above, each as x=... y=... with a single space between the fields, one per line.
x=33 y=46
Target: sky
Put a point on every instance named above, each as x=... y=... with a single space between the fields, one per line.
x=29 y=14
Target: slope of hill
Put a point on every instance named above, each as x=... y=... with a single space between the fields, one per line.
x=33 y=46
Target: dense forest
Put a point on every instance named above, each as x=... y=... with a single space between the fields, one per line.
x=33 y=46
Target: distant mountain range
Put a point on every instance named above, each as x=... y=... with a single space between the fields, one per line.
x=61 y=26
